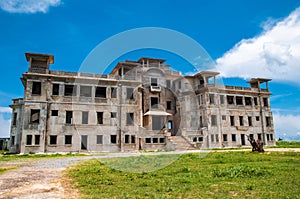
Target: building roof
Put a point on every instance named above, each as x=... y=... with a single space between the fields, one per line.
x=39 y=56
x=151 y=60
x=261 y=80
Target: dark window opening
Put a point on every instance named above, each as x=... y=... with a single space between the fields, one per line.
x=14 y=122
x=233 y=137
x=251 y=136
x=248 y=101
x=169 y=105
x=129 y=93
x=129 y=119
x=70 y=90
x=201 y=121
x=223 y=117
x=85 y=91
x=35 y=116
x=126 y=139
x=100 y=92
x=148 y=140
x=69 y=117
x=68 y=139
x=179 y=85
x=113 y=139
x=55 y=89
x=250 y=121
x=212 y=138
x=195 y=139
x=268 y=137
x=225 y=139
x=271 y=137
x=84 y=142
x=257 y=118
x=154 y=102
x=132 y=139
x=161 y=140
x=154 y=140
x=113 y=114
x=99 y=139
x=36 y=88
x=239 y=100
x=230 y=99
x=222 y=99
x=231 y=120
x=154 y=82
x=100 y=117
x=211 y=98
x=268 y=121
x=259 y=136
x=200 y=139
x=53 y=139
x=265 y=100
x=37 y=139
x=28 y=139
x=54 y=113
x=85 y=117
x=12 y=140
x=214 y=120
x=241 y=118
x=255 y=101
x=113 y=92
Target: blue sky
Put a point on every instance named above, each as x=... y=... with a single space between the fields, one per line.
x=249 y=38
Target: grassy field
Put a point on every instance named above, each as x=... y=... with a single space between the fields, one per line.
x=217 y=175
x=287 y=144
x=14 y=157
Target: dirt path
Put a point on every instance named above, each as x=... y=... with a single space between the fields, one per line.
x=43 y=178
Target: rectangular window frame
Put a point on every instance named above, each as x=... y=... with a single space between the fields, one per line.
x=100 y=92
x=36 y=88
x=68 y=139
x=55 y=89
x=85 y=91
x=85 y=117
x=70 y=90
x=53 y=140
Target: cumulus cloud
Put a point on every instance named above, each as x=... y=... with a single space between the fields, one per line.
x=274 y=54
x=287 y=126
x=5 y=110
x=4 y=123
x=4 y=127
x=28 y=6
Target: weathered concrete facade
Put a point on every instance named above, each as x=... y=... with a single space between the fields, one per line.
x=140 y=105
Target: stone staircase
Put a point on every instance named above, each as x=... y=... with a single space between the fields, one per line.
x=179 y=143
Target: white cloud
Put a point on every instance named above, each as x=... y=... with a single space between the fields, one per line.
x=5 y=110
x=287 y=126
x=273 y=54
x=4 y=127
x=28 y=6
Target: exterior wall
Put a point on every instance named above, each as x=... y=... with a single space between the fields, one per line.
x=196 y=113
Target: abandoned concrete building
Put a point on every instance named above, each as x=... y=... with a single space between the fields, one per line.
x=139 y=105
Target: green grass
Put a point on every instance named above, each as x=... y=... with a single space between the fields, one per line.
x=14 y=157
x=287 y=144
x=3 y=151
x=2 y=170
x=217 y=175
